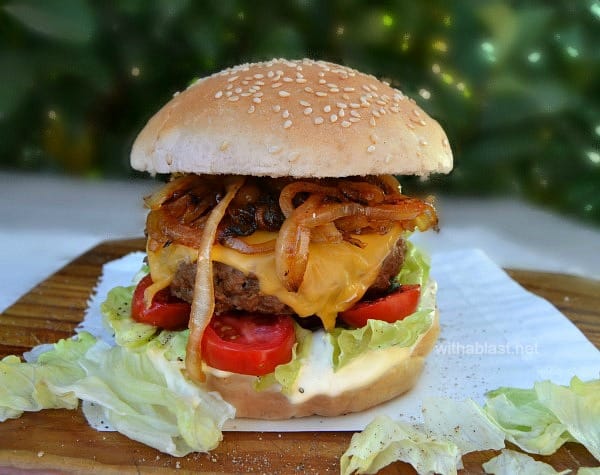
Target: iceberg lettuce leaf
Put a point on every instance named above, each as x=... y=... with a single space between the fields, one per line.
x=142 y=394
x=576 y=407
x=385 y=441
x=511 y=462
x=29 y=386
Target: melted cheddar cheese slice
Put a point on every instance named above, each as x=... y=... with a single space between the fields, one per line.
x=337 y=275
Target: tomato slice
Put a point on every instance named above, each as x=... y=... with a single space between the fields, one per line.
x=390 y=308
x=247 y=343
x=165 y=311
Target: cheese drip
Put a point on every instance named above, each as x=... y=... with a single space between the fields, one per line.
x=337 y=275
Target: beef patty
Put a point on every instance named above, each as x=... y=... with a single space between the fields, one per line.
x=235 y=290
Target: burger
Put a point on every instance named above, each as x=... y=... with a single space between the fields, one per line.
x=280 y=242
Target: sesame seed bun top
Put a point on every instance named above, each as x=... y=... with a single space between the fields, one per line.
x=298 y=118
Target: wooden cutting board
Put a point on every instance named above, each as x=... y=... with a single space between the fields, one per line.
x=60 y=441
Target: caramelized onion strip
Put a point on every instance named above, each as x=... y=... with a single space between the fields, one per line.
x=203 y=303
x=181 y=184
x=290 y=191
x=240 y=245
x=291 y=252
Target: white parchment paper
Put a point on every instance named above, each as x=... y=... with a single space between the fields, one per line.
x=493 y=333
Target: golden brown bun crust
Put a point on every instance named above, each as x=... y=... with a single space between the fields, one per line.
x=271 y=404
x=292 y=118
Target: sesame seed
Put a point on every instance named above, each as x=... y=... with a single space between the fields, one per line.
x=251 y=109
x=228 y=93
x=238 y=90
x=319 y=120
x=342 y=105
x=276 y=108
x=354 y=119
x=375 y=113
x=259 y=83
x=321 y=74
x=245 y=82
x=270 y=74
x=331 y=85
x=286 y=79
x=416 y=112
x=284 y=93
x=366 y=88
x=321 y=94
x=373 y=122
x=245 y=94
x=345 y=123
x=256 y=100
x=259 y=76
x=258 y=94
x=322 y=81
x=334 y=89
x=382 y=111
x=354 y=113
x=219 y=94
x=305 y=103
x=285 y=114
x=371 y=148
x=232 y=78
x=276 y=85
x=229 y=87
x=394 y=109
x=341 y=113
x=327 y=108
x=349 y=89
x=234 y=98
x=354 y=105
x=380 y=102
x=333 y=118
x=287 y=124
x=308 y=89
x=300 y=80
x=422 y=142
x=308 y=111
x=346 y=97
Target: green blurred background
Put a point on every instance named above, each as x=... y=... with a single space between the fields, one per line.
x=515 y=84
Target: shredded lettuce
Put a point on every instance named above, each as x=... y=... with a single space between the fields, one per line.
x=415 y=268
x=511 y=462
x=376 y=334
x=285 y=374
x=541 y=419
x=116 y=310
x=142 y=394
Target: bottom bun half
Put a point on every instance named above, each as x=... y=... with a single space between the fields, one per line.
x=374 y=378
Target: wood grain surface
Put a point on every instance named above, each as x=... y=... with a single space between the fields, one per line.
x=60 y=441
